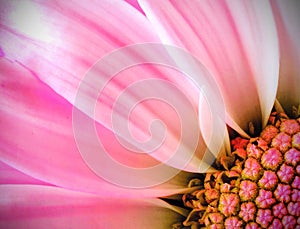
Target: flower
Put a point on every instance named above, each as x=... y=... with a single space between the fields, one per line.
x=251 y=50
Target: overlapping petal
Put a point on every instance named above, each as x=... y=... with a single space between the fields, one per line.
x=36 y=206
x=236 y=41
x=61 y=40
x=38 y=138
x=63 y=50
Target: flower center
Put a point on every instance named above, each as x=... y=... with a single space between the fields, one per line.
x=258 y=185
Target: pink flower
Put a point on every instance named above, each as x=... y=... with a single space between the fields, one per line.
x=282 y=193
x=247 y=211
x=286 y=173
x=229 y=204
x=252 y=169
x=269 y=180
x=292 y=156
x=279 y=210
x=248 y=190
x=289 y=222
x=264 y=199
x=282 y=142
x=271 y=159
x=250 y=49
x=264 y=217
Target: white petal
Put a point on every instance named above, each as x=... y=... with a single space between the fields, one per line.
x=235 y=40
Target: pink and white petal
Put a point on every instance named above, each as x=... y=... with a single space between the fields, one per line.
x=38 y=138
x=236 y=41
x=288 y=26
x=10 y=175
x=135 y=4
x=61 y=40
x=60 y=57
x=35 y=206
x=257 y=32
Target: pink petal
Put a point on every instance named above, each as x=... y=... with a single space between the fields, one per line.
x=135 y=4
x=288 y=27
x=9 y=175
x=59 y=55
x=68 y=37
x=33 y=206
x=236 y=41
x=38 y=138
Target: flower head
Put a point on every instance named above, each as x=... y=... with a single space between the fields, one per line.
x=247 y=55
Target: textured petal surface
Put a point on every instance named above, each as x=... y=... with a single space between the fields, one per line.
x=39 y=139
x=288 y=25
x=33 y=206
x=236 y=41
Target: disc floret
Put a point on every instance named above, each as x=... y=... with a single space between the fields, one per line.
x=257 y=186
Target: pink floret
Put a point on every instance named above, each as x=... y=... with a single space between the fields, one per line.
x=296 y=141
x=229 y=204
x=216 y=218
x=252 y=225
x=265 y=199
x=292 y=156
x=294 y=208
x=290 y=126
x=279 y=210
x=247 y=211
x=289 y=222
x=296 y=182
x=216 y=226
x=298 y=169
x=248 y=190
x=252 y=169
x=283 y=192
x=269 y=133
x=254 y=151
x=296 y=195
x=276 y=224
x=264 y=217
x=233 y=223
x=269 y=180
x=282 y=142
x=285 y=173
x=271 y=159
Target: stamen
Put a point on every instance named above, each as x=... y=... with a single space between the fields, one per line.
x=257 y=186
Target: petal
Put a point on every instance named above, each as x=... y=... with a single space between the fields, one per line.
x=34 y=206
x=288 y=24
x=135 y=4
x=61 y=40
x=62 y=58
x=236 y=41
x=9 y=175
x=39 y=139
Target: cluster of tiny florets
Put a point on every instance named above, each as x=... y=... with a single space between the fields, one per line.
x=258 y=185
